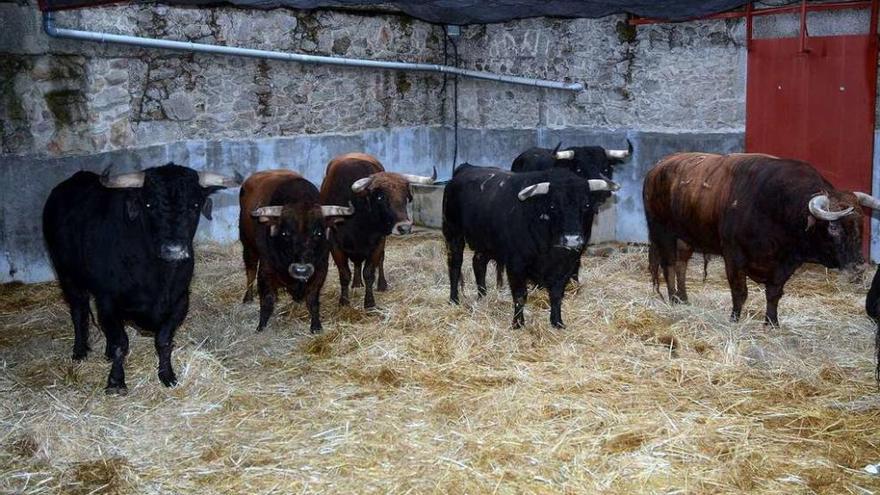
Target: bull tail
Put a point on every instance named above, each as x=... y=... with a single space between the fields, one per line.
x=654 y=267
x=877 y=355
x=705 y=266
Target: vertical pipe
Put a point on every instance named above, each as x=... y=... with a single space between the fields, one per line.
x=875 y=6
x=749 y=25
x=803 y=26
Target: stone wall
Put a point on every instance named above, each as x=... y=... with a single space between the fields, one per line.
x=68 y=97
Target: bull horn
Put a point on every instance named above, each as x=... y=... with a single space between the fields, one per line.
x=336 y=211
x=867 y=200
x=420 y=179
x=565 y=155
x=361 y=184
x=619 y=154
x=534 y=190
x=121 y=181
x=267 y=211
x=603 y=185
x=211 y=179
x=819 y=209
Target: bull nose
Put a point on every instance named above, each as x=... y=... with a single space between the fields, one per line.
x=572 y=242
x=174 y=252
x=300 y=271
x=402 y=228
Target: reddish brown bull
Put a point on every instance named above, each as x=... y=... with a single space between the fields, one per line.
x=283 y=235
x=379 y=199
x=765 y=215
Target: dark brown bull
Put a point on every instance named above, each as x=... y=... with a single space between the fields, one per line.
x=765 y=215
x=379 y=199
x=283 y=235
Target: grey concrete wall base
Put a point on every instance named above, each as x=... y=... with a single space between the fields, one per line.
x=27 y=181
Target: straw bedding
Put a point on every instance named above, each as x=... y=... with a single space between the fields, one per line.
x=421 y=396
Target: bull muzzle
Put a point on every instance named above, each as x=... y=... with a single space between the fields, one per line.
x=174 y=252
x=301 y=271
x=402 y=228
x=572 y=242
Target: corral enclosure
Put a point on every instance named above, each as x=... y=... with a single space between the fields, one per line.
x=635 y=396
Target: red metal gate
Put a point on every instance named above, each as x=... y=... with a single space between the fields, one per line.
x=812 y=98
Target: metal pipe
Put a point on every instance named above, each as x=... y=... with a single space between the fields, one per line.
x=804 y=26
x=57 y=32
x=860 y=4
x=749 y=25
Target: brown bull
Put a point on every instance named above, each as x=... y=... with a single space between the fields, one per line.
x=379 y=199
x=283 y=235
x=765 y=215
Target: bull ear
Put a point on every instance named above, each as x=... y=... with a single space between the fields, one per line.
x=132 y=208
x=207 y=207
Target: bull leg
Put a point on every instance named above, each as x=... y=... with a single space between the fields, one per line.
x=499 y=275
x=480 y=262
x=382 y=284
x=251 y=262
x=556 y=293
x=739 y=290
x=681 y=263
x=454 y=258
x=519 y=291
x=774 y=293
x=370 y=266
x=268 y=293
x=358 y=269
x=313 y=302
x=344 y=275
x=78 y=300
x=117 y=344
x=164 y=342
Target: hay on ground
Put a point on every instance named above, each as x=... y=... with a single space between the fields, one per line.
x=420 y=396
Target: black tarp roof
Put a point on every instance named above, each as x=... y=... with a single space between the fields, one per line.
x=475 y=11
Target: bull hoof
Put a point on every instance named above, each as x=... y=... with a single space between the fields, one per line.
x=559 y=325
x=169 y=379
x=369 y=303
x=344 y=301
x=248 y=297
x=316 y=329
x=771 y=323
x=260 y=329
x=121 y=391
x=79 y=355
x=382 y=286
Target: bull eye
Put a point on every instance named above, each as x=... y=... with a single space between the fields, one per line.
x=196 y=206
x=148 y=204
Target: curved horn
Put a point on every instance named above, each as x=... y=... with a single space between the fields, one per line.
x=361 y=184
x=819 y=208
x=565 y=155
x=867 y=200
x=267 y=211
x=336 y=211
x=121 y=181
x=420 y=179
x=534 y=190
x=603 y=185
x=211 y=179
x=619 y=154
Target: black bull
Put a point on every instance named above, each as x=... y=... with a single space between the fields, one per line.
x=530 y=223
x=589 y=162
x=126 y=240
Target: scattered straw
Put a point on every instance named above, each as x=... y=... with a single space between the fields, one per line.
x=422 y=396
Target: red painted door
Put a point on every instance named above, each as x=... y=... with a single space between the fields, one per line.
x=816 y=106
